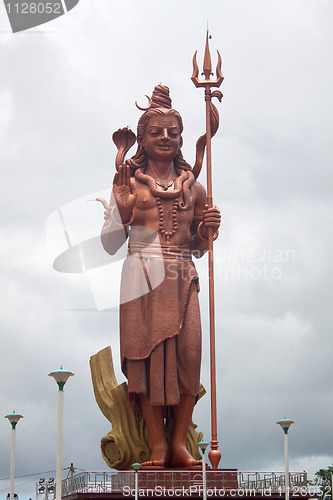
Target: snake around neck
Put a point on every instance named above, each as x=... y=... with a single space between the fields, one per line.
x=181 y=189
x=182 y=185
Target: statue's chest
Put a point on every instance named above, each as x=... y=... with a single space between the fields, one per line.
x=146 y=200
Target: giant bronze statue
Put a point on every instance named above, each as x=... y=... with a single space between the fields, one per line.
x=161 y=210
x=155 y=194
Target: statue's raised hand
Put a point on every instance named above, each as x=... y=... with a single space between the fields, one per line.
x=124 y=192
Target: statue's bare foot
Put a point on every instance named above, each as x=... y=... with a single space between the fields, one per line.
x=181 y=458
x=158 y=459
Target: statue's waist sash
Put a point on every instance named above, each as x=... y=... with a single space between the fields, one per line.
x=156 y=250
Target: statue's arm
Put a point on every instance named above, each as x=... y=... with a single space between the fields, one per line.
x=204 y=218
x=114 y=233
x=119 y=214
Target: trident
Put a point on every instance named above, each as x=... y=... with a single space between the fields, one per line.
x=214 y=454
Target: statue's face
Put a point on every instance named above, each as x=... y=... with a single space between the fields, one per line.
x=161 y=140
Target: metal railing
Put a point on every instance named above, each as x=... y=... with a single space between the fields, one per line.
x=114 y=481
x=273 y=481
x=97 y=482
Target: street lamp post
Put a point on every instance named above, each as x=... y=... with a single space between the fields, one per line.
x=136 y=466
x=285 y=424
x=13 y=419
x=203 y=445
x=60 y=376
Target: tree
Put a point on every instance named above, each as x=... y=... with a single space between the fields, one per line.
x=323 y=481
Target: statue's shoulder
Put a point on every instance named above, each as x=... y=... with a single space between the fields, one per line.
x=199 y=189
x=200 y=196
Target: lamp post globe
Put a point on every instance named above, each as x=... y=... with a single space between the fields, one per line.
x=60 y=376
x=203 y=446
x=13 y=419
x=285 y=424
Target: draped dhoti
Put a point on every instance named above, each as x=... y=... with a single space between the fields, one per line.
x=160 y=329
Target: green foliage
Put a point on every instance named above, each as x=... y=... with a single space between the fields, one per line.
x=323 y=481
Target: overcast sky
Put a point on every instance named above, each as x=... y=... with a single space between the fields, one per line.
x=65 y=87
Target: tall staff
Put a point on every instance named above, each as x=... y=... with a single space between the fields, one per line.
x=211 y=127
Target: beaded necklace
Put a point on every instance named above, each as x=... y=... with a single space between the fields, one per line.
x=167 y=234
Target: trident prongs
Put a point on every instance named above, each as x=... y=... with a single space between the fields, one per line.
x=207 y=69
